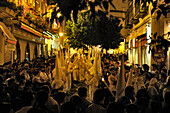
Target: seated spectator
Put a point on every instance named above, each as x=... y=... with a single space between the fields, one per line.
x=98 y=102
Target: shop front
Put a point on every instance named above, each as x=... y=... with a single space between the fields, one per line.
x=29 y=39
x=7 y=44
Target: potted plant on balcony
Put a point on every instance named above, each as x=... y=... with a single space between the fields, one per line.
x=19 y=11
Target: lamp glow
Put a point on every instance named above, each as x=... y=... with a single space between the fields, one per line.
x=60 y=34
x=58 y=15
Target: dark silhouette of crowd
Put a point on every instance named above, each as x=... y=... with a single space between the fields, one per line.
x=25 y=87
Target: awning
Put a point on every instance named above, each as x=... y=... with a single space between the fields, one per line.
x=10 y=37
x=31 y=30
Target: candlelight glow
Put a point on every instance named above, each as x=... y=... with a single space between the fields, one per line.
x=103 y=79
x=58 y=15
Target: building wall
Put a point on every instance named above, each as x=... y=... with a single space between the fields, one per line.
x=148 y=25
x=166 y=30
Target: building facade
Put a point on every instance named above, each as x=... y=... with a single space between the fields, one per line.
x=25 y=30
x=141 y=25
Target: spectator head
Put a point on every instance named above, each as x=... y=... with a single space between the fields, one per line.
x=164 y=71
x=42 y=97
x=76 y=100
x=113 y=70
x=46 y=88
x=142 y=93
x=163 y=77
x=42 y=68
x=129 y=92
x=11 y=82
x=153 y=82
x=132 y=108
x=59 y=97
x=27 y=98
x=153 y=67
x=82 y=91
x=116 y=107
x=68 y=107
x=145 y=67
x=98 y=96
x=127 y=68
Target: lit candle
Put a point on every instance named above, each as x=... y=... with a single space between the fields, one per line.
x=107 y=87
x=103 y=79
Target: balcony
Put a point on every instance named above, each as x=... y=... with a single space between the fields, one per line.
x=129 y=17
x=127 y=23
x=6 y=10
x=140 y=12
x=130 y=11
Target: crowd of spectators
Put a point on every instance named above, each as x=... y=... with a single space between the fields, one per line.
x=25 y=87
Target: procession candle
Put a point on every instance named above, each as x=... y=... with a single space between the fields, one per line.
x=107 y=87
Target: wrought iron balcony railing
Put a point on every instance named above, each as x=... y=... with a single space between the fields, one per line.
x=140 y=11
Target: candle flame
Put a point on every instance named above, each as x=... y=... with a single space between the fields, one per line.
x=103 y=79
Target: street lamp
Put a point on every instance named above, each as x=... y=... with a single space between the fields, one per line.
x=60 y=34
x=58 y=15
